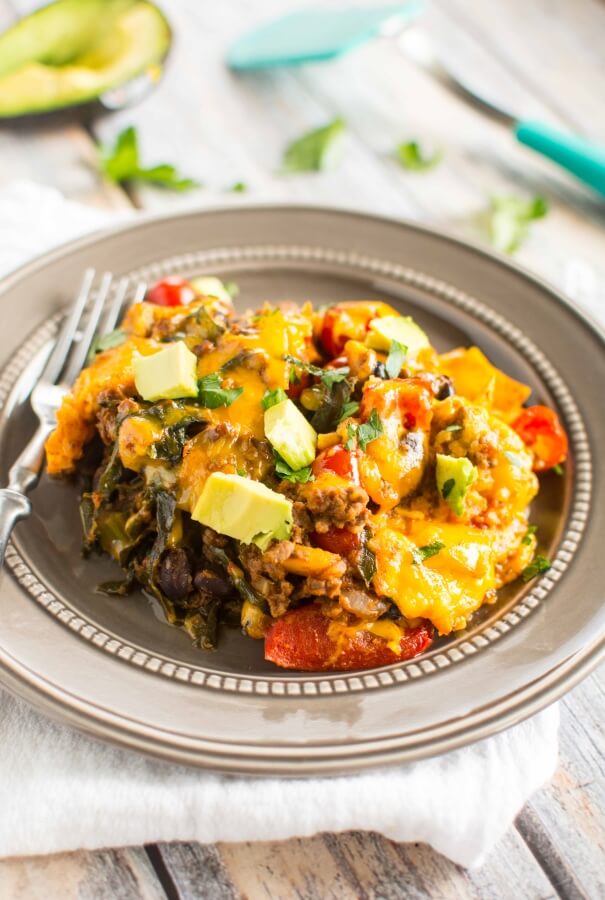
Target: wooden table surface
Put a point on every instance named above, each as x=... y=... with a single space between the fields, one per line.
x=222 y=129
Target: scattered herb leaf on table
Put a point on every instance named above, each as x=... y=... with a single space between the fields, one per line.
x=121 y=163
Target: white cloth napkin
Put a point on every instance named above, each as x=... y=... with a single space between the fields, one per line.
x=61 y=790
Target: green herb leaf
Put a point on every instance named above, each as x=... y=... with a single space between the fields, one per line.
x=538 y=565
x=351 y=433
x=121 y=163
x=212 y=395
x=316 y=150
x=365 y=433
x=510 y=218
x=106 y=342
x=558 y=469
x=447 y=488
x=238 y=188
x=453 y=428
x=411 y=156
x=419 y=554
x=300 y=476
x=531 y=530
x=272 y=398
x=395 y=359
x=349 y=409
x=326 y=376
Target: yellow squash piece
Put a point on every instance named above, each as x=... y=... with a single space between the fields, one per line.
x=476 y=379
x=445 y=588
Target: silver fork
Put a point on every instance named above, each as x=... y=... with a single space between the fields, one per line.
x=92 y=314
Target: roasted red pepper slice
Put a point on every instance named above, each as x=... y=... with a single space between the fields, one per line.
x=300 y=640
x=340 y=461
x=540 y=429
x=338 y=540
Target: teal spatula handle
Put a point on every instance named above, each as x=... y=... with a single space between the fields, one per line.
x=582 y=158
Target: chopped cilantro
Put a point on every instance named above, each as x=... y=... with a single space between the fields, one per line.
x=365 y=433
x=326 y=376
x=316 y=150
x=419 y=554
x=531 y=530
x=509 y=220
x=411 y=156
x=538 y=565
x=299 y=476
x=121 y=163
x=238 y=188
x=212 y=395
x=351 y=432
x=447 y=488
x=558 y=469
x=349 y=409
x=272 y=398
x=395 y=359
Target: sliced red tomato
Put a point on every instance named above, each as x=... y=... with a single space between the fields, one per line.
x=540 y=429
x=338 y=540
x=340 y=461
x=349 y=321
x=170 y=292
x=300 y=640
x=295 y=388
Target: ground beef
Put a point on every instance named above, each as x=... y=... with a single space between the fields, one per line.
x=302 y=523
x=334 y=505
x=267 y=575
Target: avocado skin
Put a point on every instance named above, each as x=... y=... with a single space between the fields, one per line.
x=90 y=105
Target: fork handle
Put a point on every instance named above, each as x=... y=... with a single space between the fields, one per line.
x=13 y=506
x=582 y=158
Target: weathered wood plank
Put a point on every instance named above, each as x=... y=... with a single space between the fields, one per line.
x=563 y=824
x=115 y=874
x=554 y=47
x=195 y=871
x=370 y=866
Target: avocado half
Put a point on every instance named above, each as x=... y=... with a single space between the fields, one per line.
x=73 y=51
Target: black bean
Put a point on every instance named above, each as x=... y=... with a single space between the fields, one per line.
x=380 y=370
x=445 y=388
x=175 y=575
x=212 y=583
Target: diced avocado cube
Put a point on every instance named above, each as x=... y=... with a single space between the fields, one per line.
x=168 y=374
x=243 y=509
x=454 y=477
x=209 y=286
x=382 y=332
x=290 y=434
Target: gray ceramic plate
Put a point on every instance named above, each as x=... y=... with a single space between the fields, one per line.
x=111 y=667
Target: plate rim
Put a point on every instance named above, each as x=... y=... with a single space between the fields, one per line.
x=548 y=687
